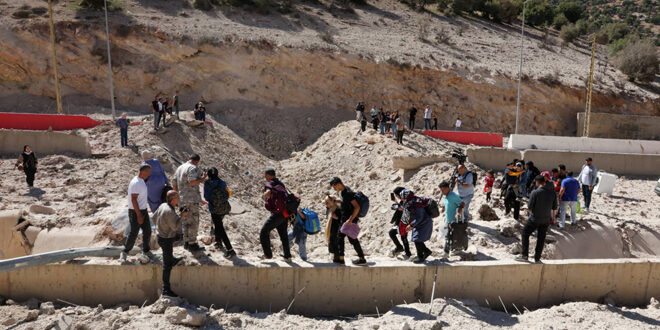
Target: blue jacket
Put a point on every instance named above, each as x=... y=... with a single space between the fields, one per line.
x=155 y=184
x=420 y=220
x=209 y=186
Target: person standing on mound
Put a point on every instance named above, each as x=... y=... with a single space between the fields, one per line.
x=27 y=162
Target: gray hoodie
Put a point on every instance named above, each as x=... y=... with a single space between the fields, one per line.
x=541 y=203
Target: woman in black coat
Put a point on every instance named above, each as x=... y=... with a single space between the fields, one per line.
x=27 y=162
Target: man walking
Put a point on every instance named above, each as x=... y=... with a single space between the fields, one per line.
x=187 y=178
x=175 y=101
x=275 y=196
x=168 y=222
x=587 y=178
x=350 y=213
x=123 y=123
x=138 y=216
x=542 y=202
x=413 y=113
x=427 y=117
x=568 y=196
x=359 y=110
x=156 y=112
x=465 y=188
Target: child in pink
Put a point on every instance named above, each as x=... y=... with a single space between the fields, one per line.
x=489 y=181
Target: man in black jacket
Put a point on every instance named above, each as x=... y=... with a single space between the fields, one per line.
x=542 y=202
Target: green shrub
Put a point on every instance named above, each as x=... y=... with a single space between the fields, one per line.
x=572 y=10
x=501 y=10
x=616 y=31
x=639 y=61
x=538 y=13
x=559 y=21
x=569 y=33
x=619 y=44
x=586 y=26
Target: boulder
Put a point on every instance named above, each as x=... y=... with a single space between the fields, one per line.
x=487 y=213
x=47 y=308
x=41 y=209
x=162 y=304
x=183 y=316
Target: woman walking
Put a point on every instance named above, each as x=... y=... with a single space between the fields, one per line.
x=333 y=206
x=27 y=162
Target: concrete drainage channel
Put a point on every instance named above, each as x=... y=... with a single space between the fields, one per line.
x=344 y=290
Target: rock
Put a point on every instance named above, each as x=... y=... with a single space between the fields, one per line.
x=10 y=302
x=47 y=308
x=67 y=166
x=218 y=313
x=31 y=316
x=515 y=248
x=405 y=326
x=509 y=228
x=654 y=303
x=41 y=209
x=437 y=325
x=183 y=316
x=98 y=309
x=162 y=304
x=486 y=213
x=32 y=303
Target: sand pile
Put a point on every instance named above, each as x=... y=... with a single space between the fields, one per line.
x=168 y=313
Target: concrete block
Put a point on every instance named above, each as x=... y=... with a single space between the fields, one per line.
x=571 y=143
x=43 y=142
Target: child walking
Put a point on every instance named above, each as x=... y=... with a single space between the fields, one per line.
x=489 y=181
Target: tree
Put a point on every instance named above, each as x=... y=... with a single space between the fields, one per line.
x=559 y=21
x=572 y=10
x=639 y=61
x=616 y=31
x=502 y=10
x=538 y=13
x=569 y=33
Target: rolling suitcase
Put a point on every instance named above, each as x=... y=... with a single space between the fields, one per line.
x=458 y=236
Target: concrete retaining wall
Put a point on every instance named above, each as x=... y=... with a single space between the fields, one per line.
x=614 y=126
x=43 y=142
x=12 y=244
x=344 y=290
x=569 y=143
x=413 y=163
x=621 y=164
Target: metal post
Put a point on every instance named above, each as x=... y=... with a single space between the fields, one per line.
x=107 y=34
x=58 y=96
x=590 y=86
x=522 y=35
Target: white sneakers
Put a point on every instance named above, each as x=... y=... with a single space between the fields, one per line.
x=122 y=256
x=143 y=258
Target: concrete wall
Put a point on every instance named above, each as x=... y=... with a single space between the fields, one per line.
x=344 y=290
x=492 y=158
x=620 y=164
x=11 y=241
x=569 y=143
x=412 y=163
x=43 y=142
x=606 y=125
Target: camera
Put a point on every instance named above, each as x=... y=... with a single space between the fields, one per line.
x=460 y=156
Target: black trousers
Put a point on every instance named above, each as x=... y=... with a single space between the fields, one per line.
x=529 y=228
x=404 y=239
x=586 y=193
x=411 y=123
x=219 y=231
x=355 y=242
x=135 y=228
x=278 y=222
x=399 y=137
x=333 y=242
x=167 y=245
x=29 y=176
x=421 y=248
x=511 y=201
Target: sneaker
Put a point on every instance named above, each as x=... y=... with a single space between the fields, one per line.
x=339 y=260
x=418 y=260
x=142 y=258
x=406 y=256
x=396 y=251
x=426 y=254
x=360 y=261
x=193 y=247
x=586 y=210
x=264 y=257
x=229 y=254
x=122 y=256
x=522 y=258
x=537 y=261
x=219 y=246
x=149 y=255
x=168 y=292
x=285 y=258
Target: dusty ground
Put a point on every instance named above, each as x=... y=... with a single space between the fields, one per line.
x=446 y=314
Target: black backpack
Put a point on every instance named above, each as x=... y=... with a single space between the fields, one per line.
x=220 y=199
x=474 y=178
x=432 y=208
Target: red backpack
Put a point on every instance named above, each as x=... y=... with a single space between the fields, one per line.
x=276 y=203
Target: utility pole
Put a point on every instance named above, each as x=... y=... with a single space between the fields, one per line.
x=522 y=38
x=58 y=96
x=107 y=38
x=590 y=87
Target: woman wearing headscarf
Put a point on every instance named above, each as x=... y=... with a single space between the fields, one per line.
x=333 y=210
x=27 y=162
x=156 y=182
x=419 y=221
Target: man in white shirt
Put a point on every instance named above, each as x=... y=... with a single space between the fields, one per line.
x=458 y=124
x=187 y=178
x=587 y=179
x=138 y=215
x=427 y=117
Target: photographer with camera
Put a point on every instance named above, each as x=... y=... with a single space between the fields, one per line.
x=187 y=179
x=168 y=222
x=399 y=228
x=464 y=181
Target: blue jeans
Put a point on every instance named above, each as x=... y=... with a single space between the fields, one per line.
x=562 y=212
x=427 y=123
x=299 y=236
x=466 y=199
x=382 y=127
x=586 y=193
x=124 y=136
x=157 y=116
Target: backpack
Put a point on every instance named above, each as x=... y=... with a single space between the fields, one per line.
x=311 y=223
x=474 y=177
x=432 y=208
x=220 y=199
x=291 y=203
x=363 y=201
x=276 y=203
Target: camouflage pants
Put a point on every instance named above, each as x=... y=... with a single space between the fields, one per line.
x=190 y=223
